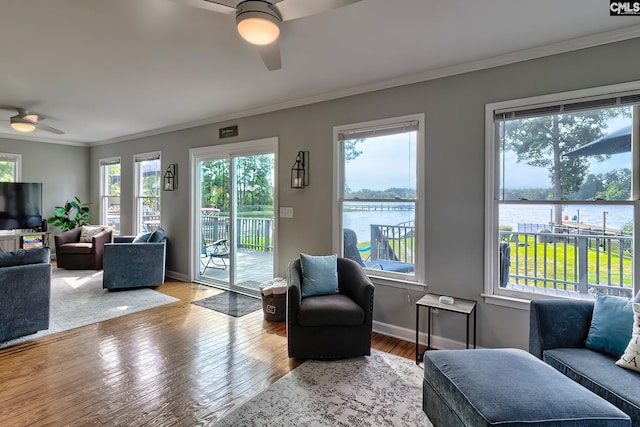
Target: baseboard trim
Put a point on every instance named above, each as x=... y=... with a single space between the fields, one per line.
x=177 y=276
x=410 y=335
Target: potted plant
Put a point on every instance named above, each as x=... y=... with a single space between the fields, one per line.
x=73 y=214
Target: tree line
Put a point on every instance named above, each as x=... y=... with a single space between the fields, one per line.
x=614 y=185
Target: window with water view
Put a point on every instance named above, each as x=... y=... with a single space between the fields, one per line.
x=563 y=198
x=380 y=196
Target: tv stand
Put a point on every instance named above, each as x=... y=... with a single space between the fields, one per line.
x=23 y=239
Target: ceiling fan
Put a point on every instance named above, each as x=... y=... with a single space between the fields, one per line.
x=258 y=21
x=26 y=121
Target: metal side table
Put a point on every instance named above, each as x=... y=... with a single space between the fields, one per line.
x=463 y=306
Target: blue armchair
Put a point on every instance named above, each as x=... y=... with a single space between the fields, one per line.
x=135 y=262
x=25 y=292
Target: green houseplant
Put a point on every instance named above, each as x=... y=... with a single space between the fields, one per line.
x=73 y=214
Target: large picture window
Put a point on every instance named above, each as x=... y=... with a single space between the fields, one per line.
x=561 y=198
x=379 y=196
x=10 y=167
x=148 y=183
x=110 y=193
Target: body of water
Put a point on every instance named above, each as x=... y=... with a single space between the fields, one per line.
x=360 y=221
x=616 y=215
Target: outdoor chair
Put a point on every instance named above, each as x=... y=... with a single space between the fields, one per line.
x=334 y=326
x=211 y=252
x=352 y=251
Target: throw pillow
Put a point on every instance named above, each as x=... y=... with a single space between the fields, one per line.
x=88 y=231
x=157 y=236
x=319 y=275
x=631 y=357
x=611 y=325
x=142 y=238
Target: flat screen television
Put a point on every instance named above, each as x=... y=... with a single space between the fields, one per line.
x=20 y=205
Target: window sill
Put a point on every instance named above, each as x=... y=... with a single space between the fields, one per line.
x=397 y=283
x=504 y=301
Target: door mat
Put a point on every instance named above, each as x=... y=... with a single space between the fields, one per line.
x=231 y=303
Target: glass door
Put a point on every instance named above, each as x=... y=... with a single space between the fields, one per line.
x=234 y=224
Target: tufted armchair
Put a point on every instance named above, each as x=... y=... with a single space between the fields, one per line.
x=334 y=326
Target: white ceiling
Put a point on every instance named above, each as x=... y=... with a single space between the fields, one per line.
x=108 y=70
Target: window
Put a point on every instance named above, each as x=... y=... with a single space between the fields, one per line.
x=380 y=196
x=110 y=193
x=148 y=182
x=560 y=196
x=10 y=167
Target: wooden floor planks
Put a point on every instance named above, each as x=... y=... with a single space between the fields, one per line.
x=179 y=364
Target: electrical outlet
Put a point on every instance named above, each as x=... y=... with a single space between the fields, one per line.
x=409 y=298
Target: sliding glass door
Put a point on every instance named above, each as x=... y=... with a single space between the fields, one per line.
x=233 y=215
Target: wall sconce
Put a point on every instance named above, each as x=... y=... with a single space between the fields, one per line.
x=300 y=170
x=171 y=177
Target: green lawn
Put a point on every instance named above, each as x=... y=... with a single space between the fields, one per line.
x=561 y=252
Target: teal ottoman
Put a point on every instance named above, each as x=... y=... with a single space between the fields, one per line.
x=508 y=387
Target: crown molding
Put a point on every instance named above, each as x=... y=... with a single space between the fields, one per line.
x=11 y=136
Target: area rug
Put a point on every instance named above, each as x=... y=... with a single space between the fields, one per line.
x=378 y=390
x=231 y=303
x=77 y=299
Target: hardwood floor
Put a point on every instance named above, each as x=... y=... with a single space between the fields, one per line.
x=175 y=365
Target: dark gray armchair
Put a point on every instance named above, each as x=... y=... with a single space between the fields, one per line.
x=330 y=327
x=135 y=265
x=25 y=292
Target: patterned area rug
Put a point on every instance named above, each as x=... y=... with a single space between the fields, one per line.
x=77 y=299
x=231 y=303
x=379 y=390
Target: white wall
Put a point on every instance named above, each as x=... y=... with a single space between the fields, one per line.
x=454 y=110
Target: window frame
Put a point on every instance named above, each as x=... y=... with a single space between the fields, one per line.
x=16 y=159
x=493 y=294
x=137 y=159
x=417 y=280
x=104 y=205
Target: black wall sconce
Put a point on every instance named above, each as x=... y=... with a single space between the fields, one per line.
x=171 y=177
x=300 y=170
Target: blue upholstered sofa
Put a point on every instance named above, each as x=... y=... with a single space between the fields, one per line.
x=25 y=292
x=558 y=332
x=135 y=262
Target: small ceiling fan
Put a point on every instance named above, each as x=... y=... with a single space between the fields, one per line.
x=258 y=21
x=26 y=121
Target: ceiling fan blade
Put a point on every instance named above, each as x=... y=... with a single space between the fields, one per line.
x=270 y=54
x=225 y=7
x=292 y=9
x=48 y=128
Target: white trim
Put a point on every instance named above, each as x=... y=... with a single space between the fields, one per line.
x=465 y=67
x=419 y=212
x=177 y=276
x=515 y=299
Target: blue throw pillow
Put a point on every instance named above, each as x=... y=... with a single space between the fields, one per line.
x=319 y=275
x=157 y=236
x=142 y=238
x=611 y=325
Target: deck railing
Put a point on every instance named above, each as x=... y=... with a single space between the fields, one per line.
x=252 y=233
x=579 y=262
x=393 y=242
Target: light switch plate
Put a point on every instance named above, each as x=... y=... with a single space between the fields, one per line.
x=286 y=212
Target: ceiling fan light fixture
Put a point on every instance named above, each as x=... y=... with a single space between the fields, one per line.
x=257 y=22
x=20 y=125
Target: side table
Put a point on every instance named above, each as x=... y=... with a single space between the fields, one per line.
x=463 y=306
